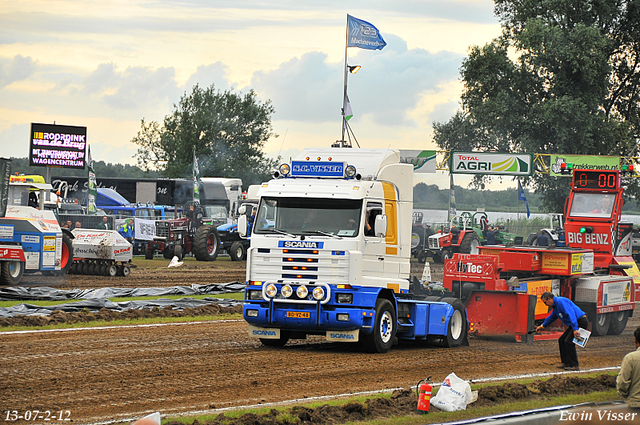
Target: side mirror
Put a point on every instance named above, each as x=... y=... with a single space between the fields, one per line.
x=242 y=209
x=380 y=226
x=242 y=226
x=199 y=216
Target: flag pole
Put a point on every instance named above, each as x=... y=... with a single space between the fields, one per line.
x=344 y=94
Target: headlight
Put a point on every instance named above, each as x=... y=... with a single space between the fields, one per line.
x=344 y=298
x=271 y=290
x=254 y=295
x=302 y=291
x=286 y=291
x=318 y=293
x=350 y=171
x=285 y=169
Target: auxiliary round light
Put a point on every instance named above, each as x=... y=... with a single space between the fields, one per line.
x=350 y=171
x=271 y=290
x=285 y=169
x=302 y=291
x=286 y=291
x=318 y=293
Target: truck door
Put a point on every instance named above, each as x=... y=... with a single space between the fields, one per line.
x=373 y=254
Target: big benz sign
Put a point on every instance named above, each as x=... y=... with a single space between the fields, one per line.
x=491 y=163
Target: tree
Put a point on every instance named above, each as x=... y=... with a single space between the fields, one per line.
x=227 y=131
x=562 y=78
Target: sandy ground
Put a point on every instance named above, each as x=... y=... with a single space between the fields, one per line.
x=106 y=374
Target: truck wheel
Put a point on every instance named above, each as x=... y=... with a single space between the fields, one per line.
x=206 y=243
x=384 y=329
x=12 y=272
x=457 y=329
x=600 y=326
x=148 y=254
x=470 y=243
x=618 y=322
x=284 y=338
x=178 y=252
x=238 y=252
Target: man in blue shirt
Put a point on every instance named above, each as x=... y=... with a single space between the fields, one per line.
x=127 y=230
x=573 y=318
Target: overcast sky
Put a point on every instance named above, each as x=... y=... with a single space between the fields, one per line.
x=108 y=64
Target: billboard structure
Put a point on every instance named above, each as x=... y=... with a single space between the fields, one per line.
x=58 y=146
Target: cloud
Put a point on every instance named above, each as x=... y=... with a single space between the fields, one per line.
x=206 y=75
x=17 y=69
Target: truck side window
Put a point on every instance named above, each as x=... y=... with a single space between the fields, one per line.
x=373 y=209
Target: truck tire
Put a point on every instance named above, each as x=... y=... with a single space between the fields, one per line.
x=237 y=251
x=206 y=243
x=618 y=322
x=12 y=272
x=470 y=243
x=457 y=328
x=384 y=328
x=284 y=338
x=148 y=254
x=600 y=326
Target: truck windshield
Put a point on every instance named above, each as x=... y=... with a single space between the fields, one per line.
x=309 y=216
x=592 y=204
x=216 y=211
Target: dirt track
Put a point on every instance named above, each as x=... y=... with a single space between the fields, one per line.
x=106 y=374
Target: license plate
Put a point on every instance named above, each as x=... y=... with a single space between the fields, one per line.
x=299 y=314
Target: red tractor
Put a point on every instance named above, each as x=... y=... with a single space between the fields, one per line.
x=460 y=237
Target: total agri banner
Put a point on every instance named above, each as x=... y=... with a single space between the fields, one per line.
x=583 y=162
x=507 y=164
x=423 y=161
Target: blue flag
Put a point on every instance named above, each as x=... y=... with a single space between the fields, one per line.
x=521 y=197
x=363 y=35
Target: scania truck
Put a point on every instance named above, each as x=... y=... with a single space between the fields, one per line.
x=329 y=255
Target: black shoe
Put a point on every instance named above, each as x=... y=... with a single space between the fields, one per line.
x=561 y=366
x=572 y=368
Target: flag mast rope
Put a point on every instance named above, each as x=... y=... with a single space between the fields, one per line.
x=343 y=143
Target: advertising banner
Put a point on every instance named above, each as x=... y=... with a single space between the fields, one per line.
x=583 y=162
x=422 y=161
x=491 y=163
x=5 y=175
x=53 y=145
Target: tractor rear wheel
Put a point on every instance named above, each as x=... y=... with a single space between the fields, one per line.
x=12 y=272
x=206 y=243
x=178 y=252
x=470 y=243
x=67 y=254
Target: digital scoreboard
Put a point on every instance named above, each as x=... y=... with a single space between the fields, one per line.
x=596 y=179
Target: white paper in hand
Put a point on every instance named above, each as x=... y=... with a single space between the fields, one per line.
x=581 y=341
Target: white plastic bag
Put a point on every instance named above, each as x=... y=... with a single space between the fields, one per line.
x=454 y=394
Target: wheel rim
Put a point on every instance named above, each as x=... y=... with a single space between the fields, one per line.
x=618 y=316
x=456 y=324
x=386 y=327
x=65 y=256
x=601 y=319
x=239 y=252
x=474 y=247
x=211 y=244
x=14 y=269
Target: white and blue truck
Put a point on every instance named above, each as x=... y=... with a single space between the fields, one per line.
x=330 y=255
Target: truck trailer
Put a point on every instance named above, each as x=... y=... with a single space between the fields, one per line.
x=330 y=255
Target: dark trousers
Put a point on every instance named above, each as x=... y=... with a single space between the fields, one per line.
x=568 y=354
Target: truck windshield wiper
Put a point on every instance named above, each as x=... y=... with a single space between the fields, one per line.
x=320 y=232
x=282 y=232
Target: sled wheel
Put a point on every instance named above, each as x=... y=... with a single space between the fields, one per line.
x=600 y=326
x=237 y=252
x=618 y=322
x=125 y=270
x=85 y=268
x=384 y=329
x=457 y=328
x=12 y=272
x=284 y=338
x=112 y=271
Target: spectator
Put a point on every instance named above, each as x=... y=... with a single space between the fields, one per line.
x=69 y=225
x=104 y=224
x=127 y=230
x=628 y=380
x=78 y=225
